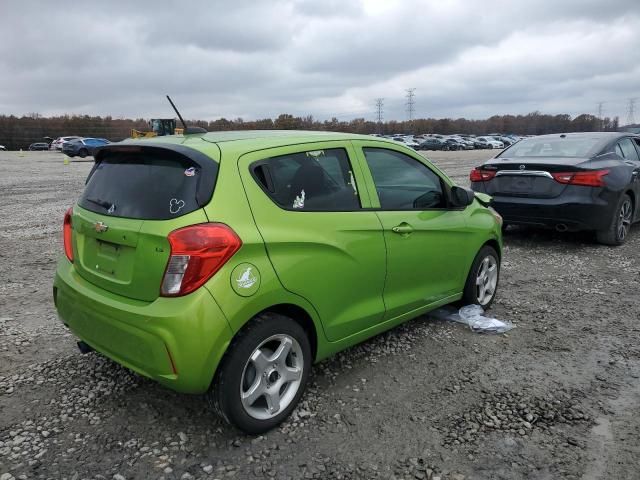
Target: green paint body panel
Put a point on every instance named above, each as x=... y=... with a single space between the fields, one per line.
x=349 y=271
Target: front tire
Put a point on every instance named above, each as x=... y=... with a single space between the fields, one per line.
x=263 y=374
x=83 y=153
x=618 y=229
x=482 y=282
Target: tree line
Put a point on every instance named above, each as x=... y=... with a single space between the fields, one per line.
x=20 y=132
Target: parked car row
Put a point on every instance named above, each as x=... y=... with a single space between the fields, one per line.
x=71 y=145
x=454 y=142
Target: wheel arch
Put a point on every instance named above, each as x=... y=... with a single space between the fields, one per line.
x=297 y=314
x=634 y=202
x=493 y=243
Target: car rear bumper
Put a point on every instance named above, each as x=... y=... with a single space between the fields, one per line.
x=573 y=211
x=175 y=341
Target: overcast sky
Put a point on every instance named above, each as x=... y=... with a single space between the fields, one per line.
x=256 y=59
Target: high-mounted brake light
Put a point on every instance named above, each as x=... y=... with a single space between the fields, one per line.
x=67 y=230
x=592 y=178
x=480 y=175
x=197 y=253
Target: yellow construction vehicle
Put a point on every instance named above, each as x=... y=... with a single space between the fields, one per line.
x=166 y=126
x=159 y=127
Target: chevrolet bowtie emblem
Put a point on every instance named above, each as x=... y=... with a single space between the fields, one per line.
x=100 y=227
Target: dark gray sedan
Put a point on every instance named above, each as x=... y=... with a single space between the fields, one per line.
x=572 y=181
x=83 y=146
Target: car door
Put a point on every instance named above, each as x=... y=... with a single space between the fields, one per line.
x=322 y=241
x=628 y=149
x=426 y=240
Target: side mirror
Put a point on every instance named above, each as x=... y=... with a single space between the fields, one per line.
x=461 y=197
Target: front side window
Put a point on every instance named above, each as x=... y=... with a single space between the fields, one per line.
x=402 y=182
x=317 y=180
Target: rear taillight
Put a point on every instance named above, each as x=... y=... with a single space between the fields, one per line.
x=592 y=178
x=480 y=175
x=197 y=253
x=67 y=231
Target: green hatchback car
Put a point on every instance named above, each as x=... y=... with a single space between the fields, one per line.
x=229 y=262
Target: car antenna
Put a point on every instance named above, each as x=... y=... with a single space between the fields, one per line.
x=187 y=130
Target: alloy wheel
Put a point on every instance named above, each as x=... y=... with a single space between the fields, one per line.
x=271 y=377
x=487 y=279
x=624 y=219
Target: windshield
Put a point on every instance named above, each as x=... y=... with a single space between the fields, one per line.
x=571 y=147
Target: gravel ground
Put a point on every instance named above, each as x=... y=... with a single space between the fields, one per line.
x=557 y=397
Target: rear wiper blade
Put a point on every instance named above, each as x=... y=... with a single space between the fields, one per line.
x=102 y=203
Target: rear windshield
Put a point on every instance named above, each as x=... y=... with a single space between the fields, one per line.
x=575 y=147
x=155 y=186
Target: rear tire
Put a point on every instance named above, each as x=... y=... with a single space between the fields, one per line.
x=618 y=229
x=482 y=282
x=263 y=374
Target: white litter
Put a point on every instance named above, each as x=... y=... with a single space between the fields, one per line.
x=473 y=316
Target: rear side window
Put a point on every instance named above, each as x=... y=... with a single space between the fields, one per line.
x=158 y=185
x=628 y=150
x=318 y=180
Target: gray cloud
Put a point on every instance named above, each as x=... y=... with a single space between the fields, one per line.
x=330 y=58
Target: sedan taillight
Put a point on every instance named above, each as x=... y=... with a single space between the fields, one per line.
x=480 y=175
x=67 y=234
x=197 y=253
x=592 y=178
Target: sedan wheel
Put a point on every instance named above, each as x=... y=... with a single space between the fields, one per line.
x=624 y=219
x=620 y=224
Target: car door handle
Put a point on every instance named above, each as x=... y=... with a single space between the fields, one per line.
x=404 y=227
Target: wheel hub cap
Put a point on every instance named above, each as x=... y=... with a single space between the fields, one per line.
x=271 y=377
x=487 y=279
x=624 y=219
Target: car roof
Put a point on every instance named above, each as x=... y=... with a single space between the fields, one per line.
x=283 y=136
x=252 y=140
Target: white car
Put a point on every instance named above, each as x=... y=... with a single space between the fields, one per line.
x=492 y=142
x=409 y=142
x=3 y=148
x=60 y=141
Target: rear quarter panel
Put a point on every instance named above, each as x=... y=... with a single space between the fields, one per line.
x=230 y=206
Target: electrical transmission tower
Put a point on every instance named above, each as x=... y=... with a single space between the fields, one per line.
x=631 y=110
x=379 y=112
x=411 y=102
x=600 y=122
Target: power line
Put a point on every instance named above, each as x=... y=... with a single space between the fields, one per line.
x=631 y=109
